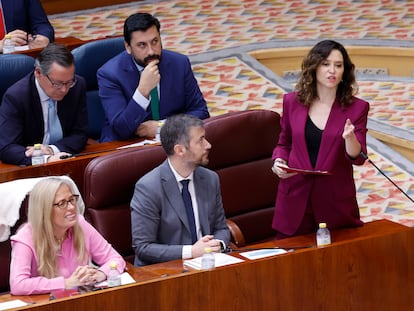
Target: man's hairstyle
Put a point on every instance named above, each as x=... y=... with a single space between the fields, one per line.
x=53 y=53
x=176 y=130
x=139 y=22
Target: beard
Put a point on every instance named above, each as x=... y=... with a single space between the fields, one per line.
x=148 y=59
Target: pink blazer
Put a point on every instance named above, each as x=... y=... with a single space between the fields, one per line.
x=333 y=197
x=24 y=277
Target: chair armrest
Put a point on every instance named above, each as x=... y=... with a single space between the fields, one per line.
x=236 y=233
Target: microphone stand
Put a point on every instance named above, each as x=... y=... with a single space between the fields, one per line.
x=379 y=170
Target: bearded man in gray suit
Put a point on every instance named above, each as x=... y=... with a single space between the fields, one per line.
x=162 y=228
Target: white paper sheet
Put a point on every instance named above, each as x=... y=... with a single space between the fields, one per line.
x=12 y=304
x=141 y=143
x=126 y=278
x=221 y=260
x=262 y=253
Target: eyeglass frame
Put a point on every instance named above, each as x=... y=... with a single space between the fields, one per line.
x=59 y=85
x=63 y=204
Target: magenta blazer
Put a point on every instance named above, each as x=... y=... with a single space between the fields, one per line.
x=333 y=197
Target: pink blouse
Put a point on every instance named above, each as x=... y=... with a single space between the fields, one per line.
x=24 y=278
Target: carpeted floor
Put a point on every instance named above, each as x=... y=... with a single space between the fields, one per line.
x=218 y=34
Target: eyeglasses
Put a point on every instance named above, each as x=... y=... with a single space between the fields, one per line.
x=59 y=85
x=64 y=203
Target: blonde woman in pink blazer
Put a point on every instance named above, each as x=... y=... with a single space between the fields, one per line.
x=55 y=249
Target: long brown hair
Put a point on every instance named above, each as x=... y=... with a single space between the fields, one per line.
x=306 y=86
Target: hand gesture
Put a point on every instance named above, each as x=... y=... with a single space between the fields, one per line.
x=84 y=275
x=348 y=129
x=150 y=77
x=197 y=249
x=147 y=129
x=279 y=169
x=19 y=37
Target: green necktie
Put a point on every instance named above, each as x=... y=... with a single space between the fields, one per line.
x=155 y=107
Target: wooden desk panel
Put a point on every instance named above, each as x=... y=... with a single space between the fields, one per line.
x=73 y=167
x=62 y=6
x=367 y=268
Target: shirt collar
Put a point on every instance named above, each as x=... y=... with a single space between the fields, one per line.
x=177 y=176
x=42 y=95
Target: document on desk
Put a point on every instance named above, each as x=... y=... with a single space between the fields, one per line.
x=141 y=143
x=22 y=48
x=221 y=260
x=262 y=253
x=126 y=278
x=12 y=304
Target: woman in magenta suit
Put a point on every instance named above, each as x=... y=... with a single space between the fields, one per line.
x=323 y=129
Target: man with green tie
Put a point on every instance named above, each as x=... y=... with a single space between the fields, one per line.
x=145 y=84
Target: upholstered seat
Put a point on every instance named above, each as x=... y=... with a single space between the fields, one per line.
x=13 y=67
x=89 y=57
x=242 y=145
x=108 y=188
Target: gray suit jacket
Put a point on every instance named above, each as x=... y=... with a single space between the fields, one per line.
x=158 y=218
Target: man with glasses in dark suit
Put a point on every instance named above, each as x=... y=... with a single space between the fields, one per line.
x=46 y=107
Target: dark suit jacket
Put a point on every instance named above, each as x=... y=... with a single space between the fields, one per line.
x=27 y=15
x=159 y=223
x=118 y=80
x=332 y=197
x=22 y=124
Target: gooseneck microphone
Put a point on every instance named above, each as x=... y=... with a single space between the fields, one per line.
x=379 y=170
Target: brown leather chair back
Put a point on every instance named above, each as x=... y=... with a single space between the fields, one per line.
x=5 y=248
x=109 y=183
x=242 y=146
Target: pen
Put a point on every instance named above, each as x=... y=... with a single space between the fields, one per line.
x=28 y=40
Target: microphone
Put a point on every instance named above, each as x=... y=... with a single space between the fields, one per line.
x=379 y=170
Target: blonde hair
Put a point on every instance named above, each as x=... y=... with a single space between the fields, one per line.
x=39 y=216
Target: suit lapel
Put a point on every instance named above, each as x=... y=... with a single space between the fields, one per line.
x=166 y=79
x=172 y=192
x=331 y=134
x=300 y=117
x=37 y=110
x=132 y=74
x=201 y=190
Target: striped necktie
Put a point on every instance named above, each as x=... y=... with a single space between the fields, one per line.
x=55 y=128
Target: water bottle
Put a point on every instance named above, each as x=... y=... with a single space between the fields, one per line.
x=37 y=156
x=114 y=277
x=8 y=45
x=208 y=261
x=323 y=237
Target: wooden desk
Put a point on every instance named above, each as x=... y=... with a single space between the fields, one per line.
x=367 y=268
x=62 y=6
x=73 y=167
x=69 y=42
